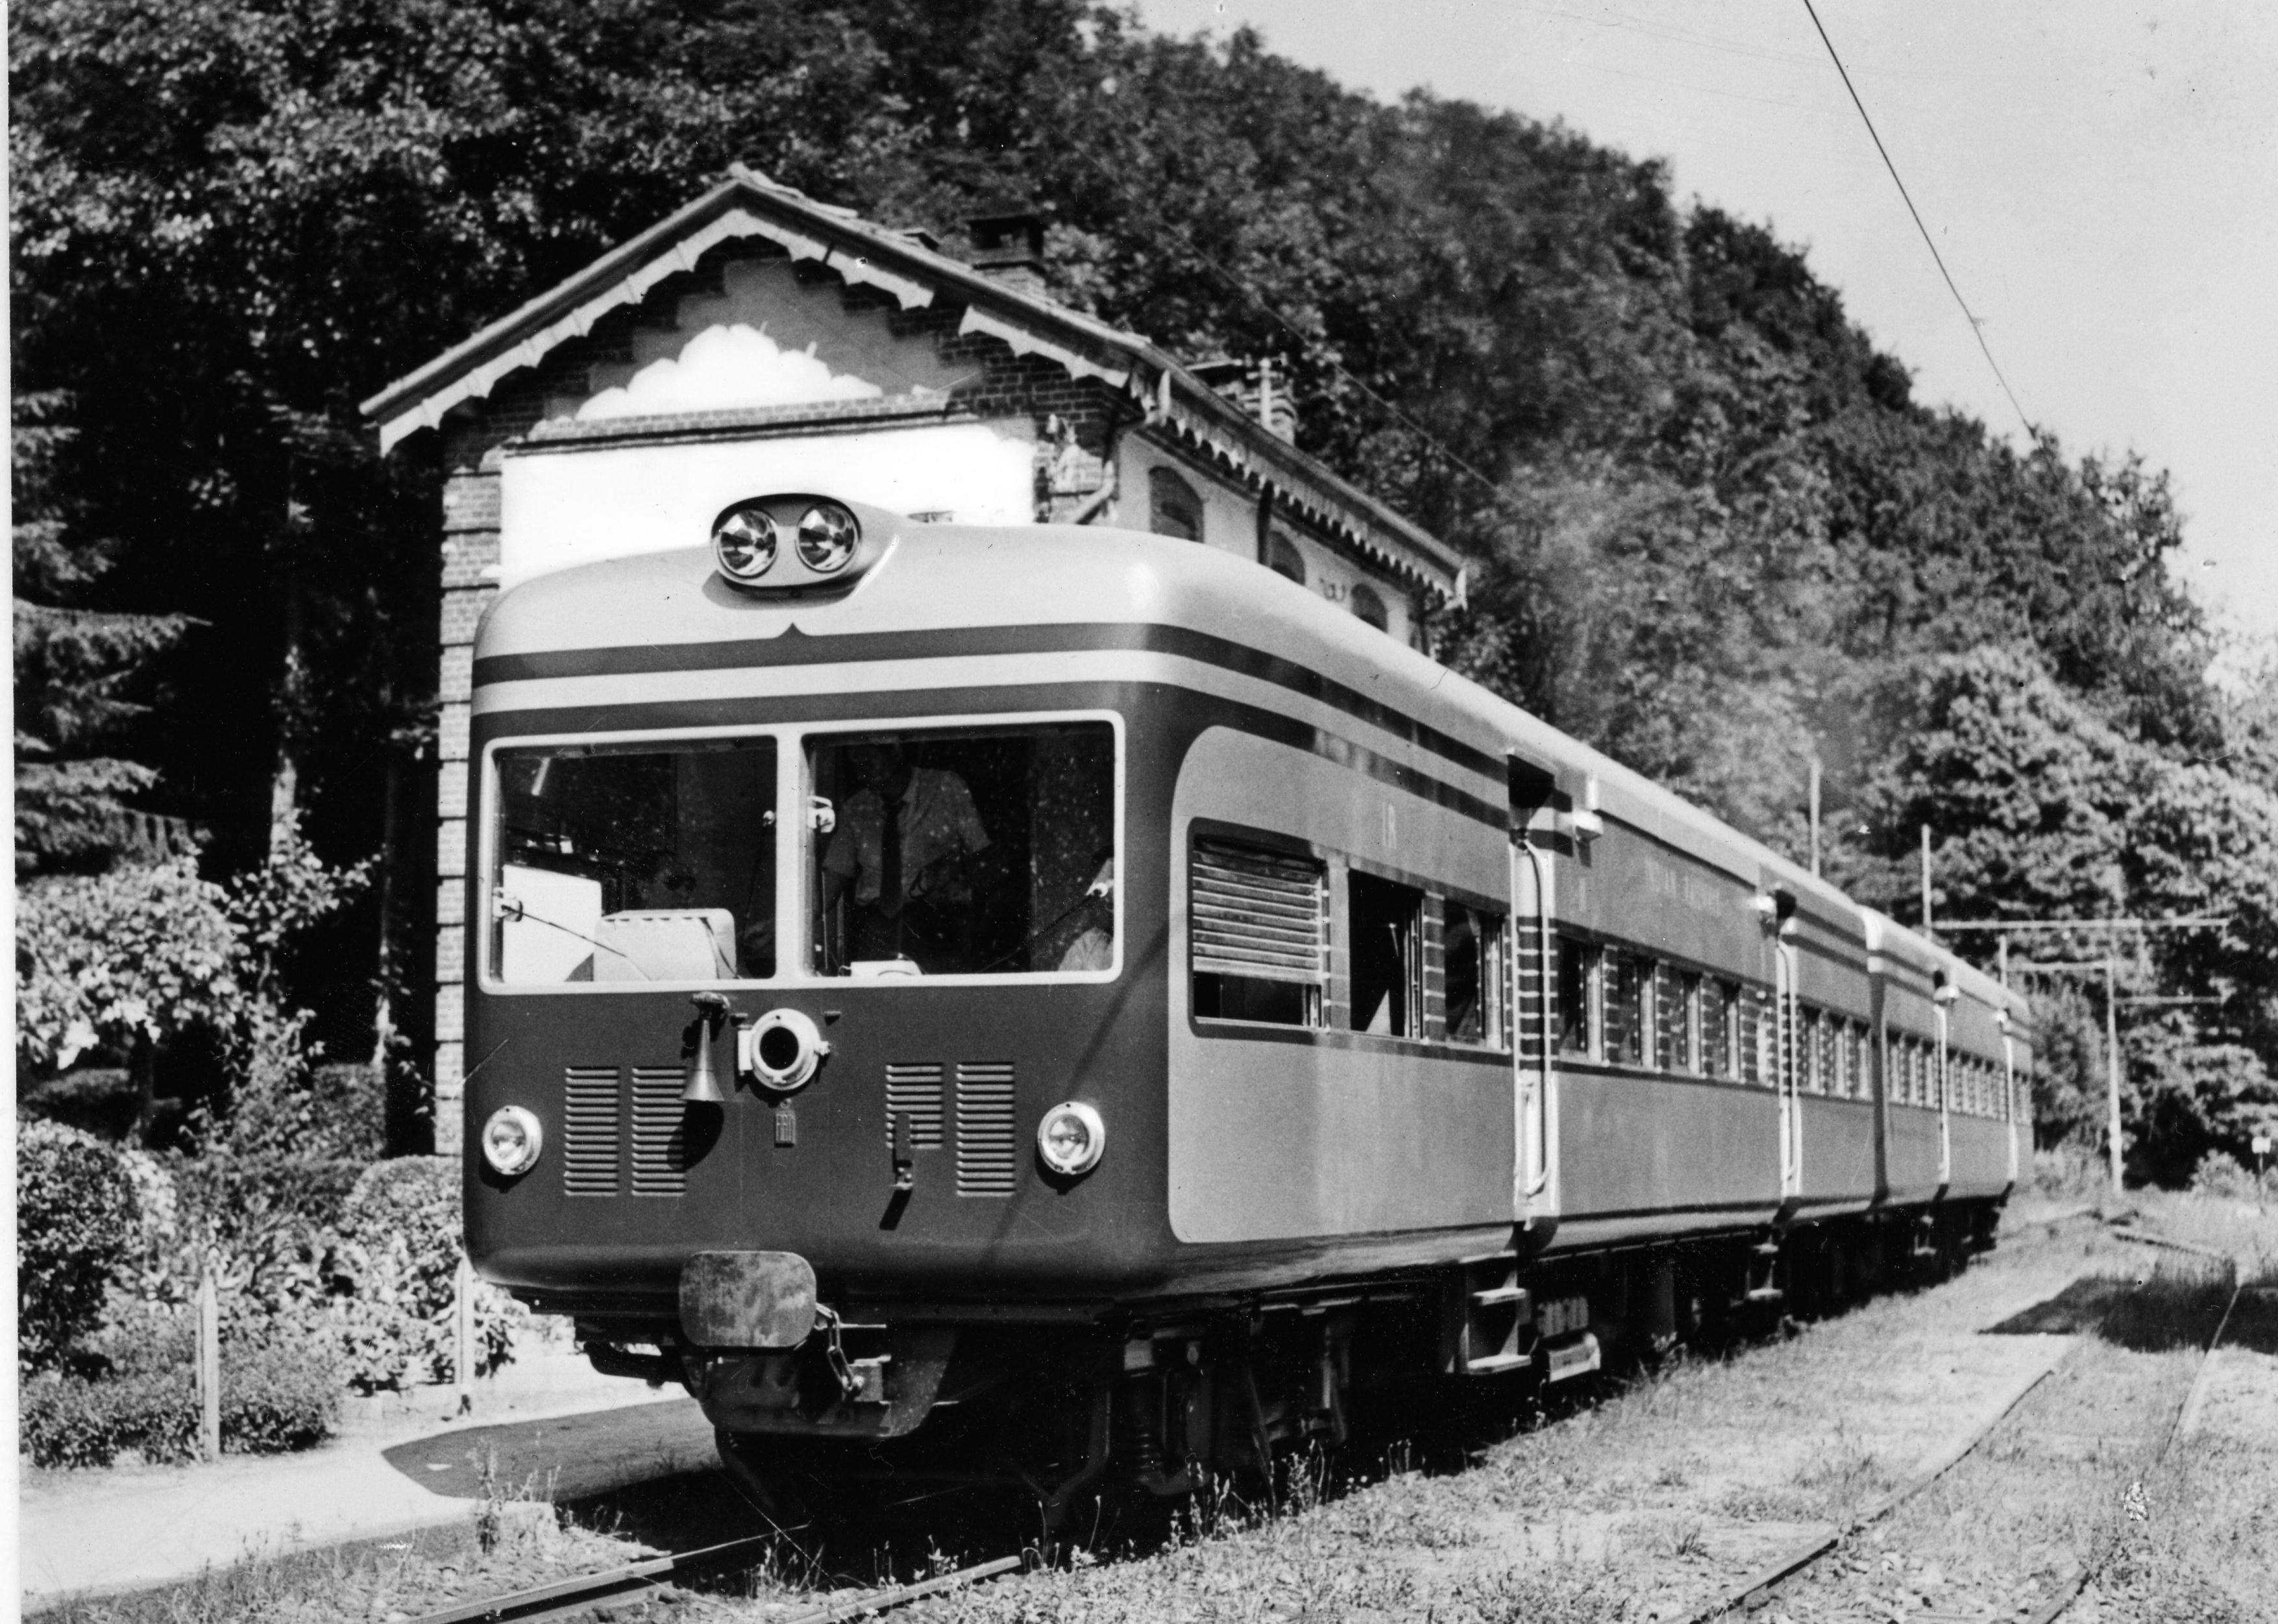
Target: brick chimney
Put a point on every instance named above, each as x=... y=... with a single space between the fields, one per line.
x=1008 y=244
x=1260 y=387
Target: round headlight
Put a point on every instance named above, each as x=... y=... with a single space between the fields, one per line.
x=511 y=1140
x=744 y=542
x=1070 y=1138
x=827 y=535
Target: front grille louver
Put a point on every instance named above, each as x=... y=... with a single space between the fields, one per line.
x=659 y=1138
x=914 y=1091
x=987 y=1135
x=589 y=1130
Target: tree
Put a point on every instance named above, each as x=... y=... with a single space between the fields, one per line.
x=76 y=668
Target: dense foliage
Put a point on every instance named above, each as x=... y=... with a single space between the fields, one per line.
x=1717 y=537
x=75 y=1220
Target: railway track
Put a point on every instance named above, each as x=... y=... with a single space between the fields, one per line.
x=570 y=1598
x=1756 y=1591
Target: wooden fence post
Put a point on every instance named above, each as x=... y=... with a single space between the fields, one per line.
x=463 y=1321
x=209 y=1365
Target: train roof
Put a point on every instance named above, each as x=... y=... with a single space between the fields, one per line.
x=942 y=579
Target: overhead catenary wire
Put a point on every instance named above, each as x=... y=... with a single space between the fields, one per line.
x=1976 y=328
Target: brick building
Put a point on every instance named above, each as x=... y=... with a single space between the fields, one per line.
x=759 y=340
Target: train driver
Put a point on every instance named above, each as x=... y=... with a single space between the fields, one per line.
x=907 y=874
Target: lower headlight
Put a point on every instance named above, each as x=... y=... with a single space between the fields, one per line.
x=511 y=1140
x=1070 y=1138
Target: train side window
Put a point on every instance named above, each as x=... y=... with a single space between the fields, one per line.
x=1578 y=969
x=1258 y=934
x=1717 y=1028
x=1387 y=956
x=1472 y=946
x=1830 y=1038
x=1855 y=1062
x=1684 y=1023
x=1629 y=1010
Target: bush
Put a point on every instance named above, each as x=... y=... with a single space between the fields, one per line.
x=76 y=1221
x=401 y=1236
x=231 y=1199
x=280 y=1397
x=2221 y=1176
x=274 y=1397
x=70 y=1422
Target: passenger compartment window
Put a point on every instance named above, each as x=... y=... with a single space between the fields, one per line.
x=1471 y=943
x=963 y=852
x=1629 y=1008
x=1719 y=1028
x=1257 y=931
x=648 y=862
x=1387 y=956
x=1577 y=975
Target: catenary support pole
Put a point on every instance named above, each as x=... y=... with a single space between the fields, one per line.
x=1929 y=924
x=1815 y=817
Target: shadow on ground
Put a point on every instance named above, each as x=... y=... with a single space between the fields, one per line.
x=2164 y=1307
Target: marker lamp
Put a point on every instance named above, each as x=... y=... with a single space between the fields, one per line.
x=744 y=542
x=827 y=535
x=511 y=1141
x=1070 y=1139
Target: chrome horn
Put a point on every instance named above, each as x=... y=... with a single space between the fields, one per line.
x=703 y=1077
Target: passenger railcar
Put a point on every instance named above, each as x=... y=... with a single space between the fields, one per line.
x=925 y=971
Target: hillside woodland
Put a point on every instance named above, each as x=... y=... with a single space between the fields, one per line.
x=1716 y=534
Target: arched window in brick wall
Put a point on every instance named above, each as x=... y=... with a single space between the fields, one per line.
x=1175 y=510
x=1369 y=607
x=1283 y=558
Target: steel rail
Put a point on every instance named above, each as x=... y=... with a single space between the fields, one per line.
x=1744 y=1595
x=567 y=1597
x=2101 y=1555
x=1754 y=1591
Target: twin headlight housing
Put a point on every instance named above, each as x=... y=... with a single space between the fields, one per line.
x=750 y=538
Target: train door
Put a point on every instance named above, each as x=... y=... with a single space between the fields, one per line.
x=1534 y=1005
x=2009 y=1092
x=1943 y=999
x=1787 y=1014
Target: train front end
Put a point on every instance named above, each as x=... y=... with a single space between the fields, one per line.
x=807 y=1049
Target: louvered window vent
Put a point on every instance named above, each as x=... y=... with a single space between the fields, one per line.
x=589 y=1130
x=988 y=1137
x=660 y=1139
x=1257 y=913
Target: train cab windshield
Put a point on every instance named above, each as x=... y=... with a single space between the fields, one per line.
x=636 y=863
x=972 y=851
x=966 y=852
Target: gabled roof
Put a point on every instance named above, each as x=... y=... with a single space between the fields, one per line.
x=749 y=205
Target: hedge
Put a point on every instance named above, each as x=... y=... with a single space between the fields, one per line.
x=273 y=1399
